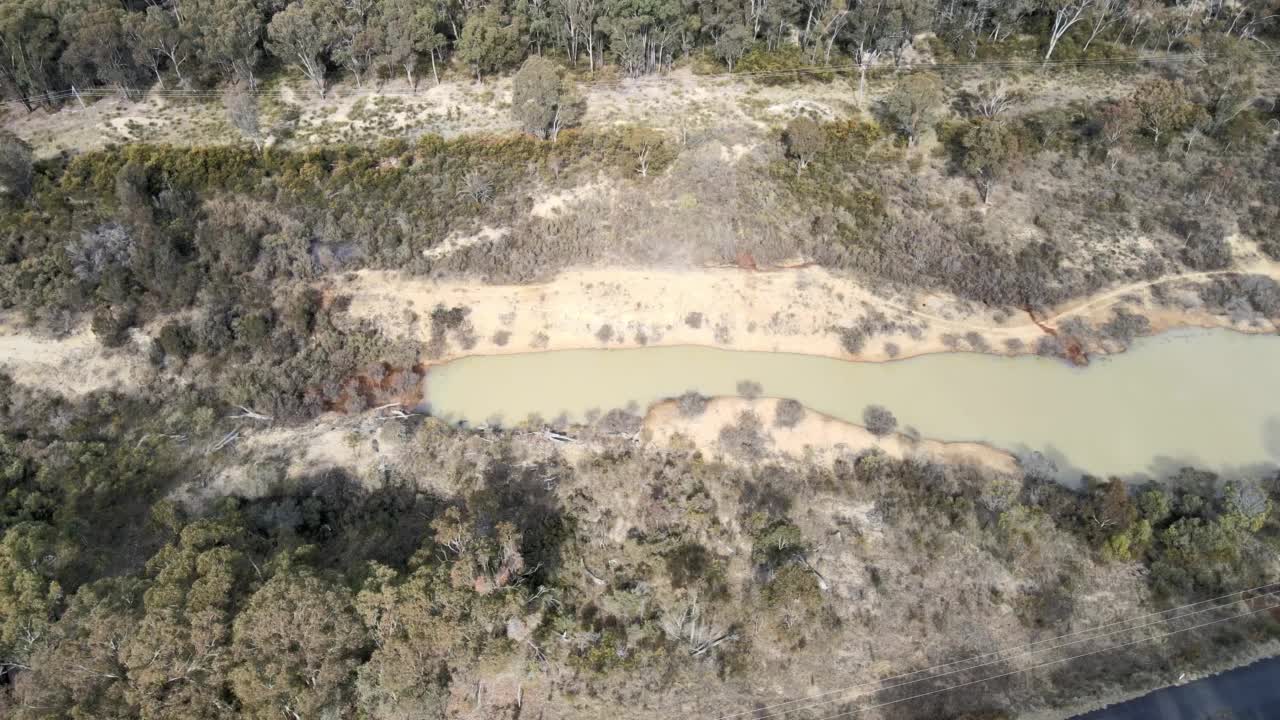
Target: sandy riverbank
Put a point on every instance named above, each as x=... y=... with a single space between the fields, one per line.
x=816 y=437
x=796 y=309
x=803 y=310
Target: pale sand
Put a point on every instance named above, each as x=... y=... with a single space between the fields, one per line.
x=817 y=437
x=786 y=310
x=74 y=365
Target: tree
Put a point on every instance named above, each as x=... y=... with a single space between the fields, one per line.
x=994 y=97
x=804 y=140
x=242 y=113
x=76 y=669
x=1119 y=120
x=644 y=144
x=296 y=646
x=489 y=42
x=579 y=18
x=304 y=34
x=543 y=101
x=731 y=44
x=359 y=39
x=16 y=170
x=412 y=640
x=1104 y=14
x=1066 y=13
x=178 y=661
x=1228 y=79
x=869 y=30
x=156 y=36
x=878 y=420
x=96 y=48
x=30 y=45
x=163 y=34
x=989 y=149
x=228 y=34
x=30 y=595
x=1162 y=106
x=914 y=103
x=409 y=28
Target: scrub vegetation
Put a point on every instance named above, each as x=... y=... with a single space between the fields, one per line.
x=493 y=555
x=171 y=550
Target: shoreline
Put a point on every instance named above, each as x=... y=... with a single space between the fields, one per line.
x=799 y=309
x=794 y=309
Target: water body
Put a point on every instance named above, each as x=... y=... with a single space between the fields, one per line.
x=1197 y=397
x=1247 y=693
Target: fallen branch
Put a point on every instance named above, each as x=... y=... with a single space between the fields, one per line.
x=710 y=645
x=250 y=414
x=593 y=576
x=225 y=441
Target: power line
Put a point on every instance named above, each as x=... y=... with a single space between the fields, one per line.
x=1064 y=636
x=1000 y=655
x=850 y=713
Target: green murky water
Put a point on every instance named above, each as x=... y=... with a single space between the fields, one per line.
x=1204 y=398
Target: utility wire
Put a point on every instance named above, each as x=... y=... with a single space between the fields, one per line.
x=999 y=655
x=851 y=713
x=1268 y=588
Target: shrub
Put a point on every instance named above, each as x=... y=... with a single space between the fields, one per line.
x=745 y=439
x=776 y=62
x=1205 y=246
x=803 y=140
x=691 y=404
x=750 y=389
x=176 y=340
x=1124 y=326
x=788 y=413
x=15 y=165
x=777 y=544
x=111 y=324
x=879 y=420
x=693 y=320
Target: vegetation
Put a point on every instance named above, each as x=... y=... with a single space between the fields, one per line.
x=159 y=558
x=879 y=420
x=543 y=102
x=61 y=46
x=789 y=413
x=325 y=595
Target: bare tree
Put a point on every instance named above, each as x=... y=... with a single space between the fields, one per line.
x=994 y=97
x=1105 y=13
x=242 y=113
x=1066 y=13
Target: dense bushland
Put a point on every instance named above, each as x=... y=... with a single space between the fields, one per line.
x=57 y=50
x=323 y=594
x=224 y=245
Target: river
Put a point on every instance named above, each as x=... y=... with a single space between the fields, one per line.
x=1247 y=693
x=1208 y=398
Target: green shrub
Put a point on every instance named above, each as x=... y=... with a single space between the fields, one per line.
x=783 y=64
